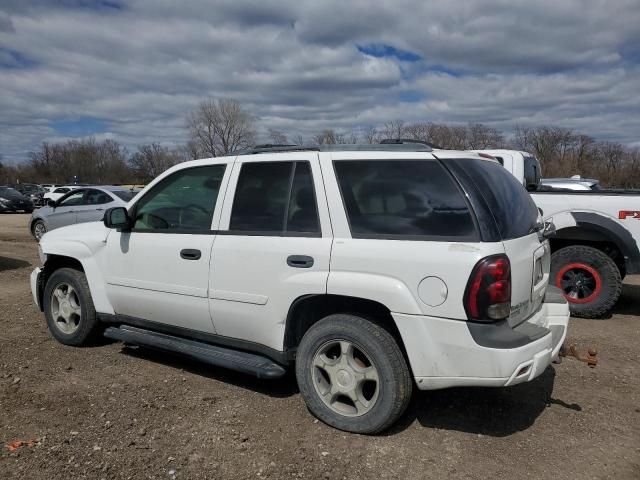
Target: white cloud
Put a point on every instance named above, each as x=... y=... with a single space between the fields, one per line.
x=296 y=66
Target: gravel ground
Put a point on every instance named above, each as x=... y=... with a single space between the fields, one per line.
x=113 y=412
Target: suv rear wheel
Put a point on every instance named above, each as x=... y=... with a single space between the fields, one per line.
x=68 y=308
x=589 y=278
x=352 y=374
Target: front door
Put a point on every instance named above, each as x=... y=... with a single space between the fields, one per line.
x=273 y=247
x=159 y=271
x=65 y=211
x=94 y=204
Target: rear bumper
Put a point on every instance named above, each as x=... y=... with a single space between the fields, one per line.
x=445 y=353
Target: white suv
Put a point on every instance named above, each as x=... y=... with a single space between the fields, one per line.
x=372 y=269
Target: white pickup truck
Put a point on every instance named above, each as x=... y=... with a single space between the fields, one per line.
x=597 y=235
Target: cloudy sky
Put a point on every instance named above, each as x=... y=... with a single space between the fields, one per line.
x=131 y=69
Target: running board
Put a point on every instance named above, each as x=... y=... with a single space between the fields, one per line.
x=244 y=362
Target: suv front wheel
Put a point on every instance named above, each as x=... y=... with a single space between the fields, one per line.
x=68 y=308
x=352 y=374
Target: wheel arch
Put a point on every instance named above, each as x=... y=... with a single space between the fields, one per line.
x=306 y=310
x=602 y=233
x=88 y=266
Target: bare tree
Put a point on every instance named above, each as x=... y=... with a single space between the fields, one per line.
x=481 y=136
x=151 y=160
x=278 y=137
x=393 y=129
x=299 y=140
x=220 y=127
x=371 y=135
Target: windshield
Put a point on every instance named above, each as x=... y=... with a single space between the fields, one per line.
x=125 y=195
x=8 y=191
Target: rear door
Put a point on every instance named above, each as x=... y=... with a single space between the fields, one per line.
x=273 y=245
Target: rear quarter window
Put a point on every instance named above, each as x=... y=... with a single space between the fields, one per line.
x=404 y=199
x=494 y=190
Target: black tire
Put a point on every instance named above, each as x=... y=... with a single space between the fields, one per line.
x=33 y=228
x=394 y=386
x=88 y=326
x=596 y=264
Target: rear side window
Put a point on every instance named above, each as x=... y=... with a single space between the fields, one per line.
x=499 y=195
x=125 y=195
x=531 y=173
x=403 y=199
x=275 y=198
x=96 y=197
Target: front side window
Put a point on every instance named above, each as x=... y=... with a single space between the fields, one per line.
x=275 y=198
x=403 y=199
x=72 y=199
x=184 y=200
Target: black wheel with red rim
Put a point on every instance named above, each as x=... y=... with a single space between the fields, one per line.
x=589 y=279
x=579 y=282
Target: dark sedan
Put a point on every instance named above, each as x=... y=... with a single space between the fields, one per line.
x=12 y=200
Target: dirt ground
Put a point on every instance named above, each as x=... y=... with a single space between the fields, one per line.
x=116 y=413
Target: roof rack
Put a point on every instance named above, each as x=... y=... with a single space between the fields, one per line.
x=401 y=141
x=409 y=146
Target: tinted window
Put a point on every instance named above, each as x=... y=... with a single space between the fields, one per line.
x=531 y=173
x=72 y=199
x=125 y=195
x=506 y=201
x=97 y=197
x=403 y=198
x=276 y=198
x=184 y=200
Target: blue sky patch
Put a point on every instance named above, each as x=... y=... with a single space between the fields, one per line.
x=78 y=126
x=411 y=96
x=380 y=50
x=14 y=59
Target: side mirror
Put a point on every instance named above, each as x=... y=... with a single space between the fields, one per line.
x=117 y=217
x=51 y=203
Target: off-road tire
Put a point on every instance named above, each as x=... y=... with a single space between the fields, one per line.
x=89 y=328
x=395 y=382
x=608 y=273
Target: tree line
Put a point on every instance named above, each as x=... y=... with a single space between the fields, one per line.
x=220 y=126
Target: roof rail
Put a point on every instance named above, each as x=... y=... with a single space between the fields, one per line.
x=402 y=141
x=382 y=147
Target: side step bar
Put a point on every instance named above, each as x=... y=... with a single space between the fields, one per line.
x=244 y=362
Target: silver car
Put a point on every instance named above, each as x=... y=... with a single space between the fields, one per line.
x=84 y=204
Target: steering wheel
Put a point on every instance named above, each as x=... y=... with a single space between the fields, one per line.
x=191 y=207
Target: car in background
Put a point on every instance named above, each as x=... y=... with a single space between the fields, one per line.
x=49 y=187
x=78 y=205
x=574 y=183
x=33 y=191
x=11 y=200
x=59 y=192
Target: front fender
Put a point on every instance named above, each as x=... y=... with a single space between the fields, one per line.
x=83 y=250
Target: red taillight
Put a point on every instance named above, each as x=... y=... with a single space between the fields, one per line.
x=488 y=294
